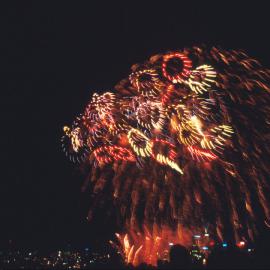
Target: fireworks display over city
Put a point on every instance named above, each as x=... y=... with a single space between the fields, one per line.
x=128 y=129
x=178 y=147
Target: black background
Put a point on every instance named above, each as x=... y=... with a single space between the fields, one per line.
x=54 y=56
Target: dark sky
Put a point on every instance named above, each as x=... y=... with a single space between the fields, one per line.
x=53 y=57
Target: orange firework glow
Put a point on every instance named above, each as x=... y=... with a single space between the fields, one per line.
x=150 y=246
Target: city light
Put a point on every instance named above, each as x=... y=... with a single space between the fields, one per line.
x=211 y=243
x=241 y=244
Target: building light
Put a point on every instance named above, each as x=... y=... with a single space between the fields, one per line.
x=211 y=243
x=241 y=244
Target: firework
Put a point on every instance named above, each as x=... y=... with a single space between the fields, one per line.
x=181 y=143
x=178 y=69
x=146 y=82
x=202 y=78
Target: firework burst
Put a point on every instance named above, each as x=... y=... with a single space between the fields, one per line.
x=181 y=143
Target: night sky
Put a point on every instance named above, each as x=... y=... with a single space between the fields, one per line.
x=54 y=56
